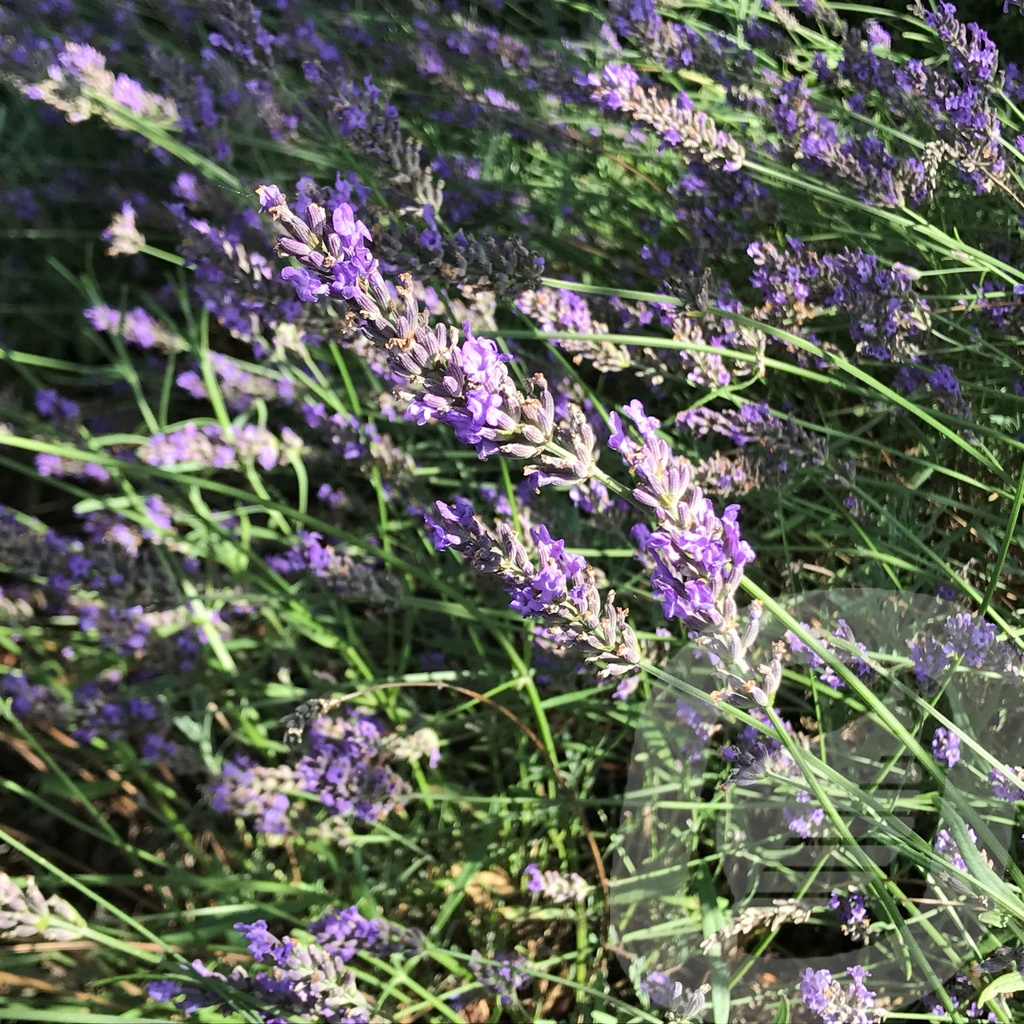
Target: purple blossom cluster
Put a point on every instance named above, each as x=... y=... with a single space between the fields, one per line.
x=963 y=995
x=887 y=317
x=1010 y=789
x=343 y=568
x=703 y=722
x=863 y=162
x=137 y=327
x=948 y=847
x=841 y=643
x=771 y=448
x=108 y=707
x=550 y=583
x=134 y=622
x=852 y=911
x=555 y=886
x=77 y=81
x=618 y=87
x=237 y=386
x=504 y=975
x=833 y=1003
x=306 y=979
x=683 y=1004
x=436 y=375
x=806 y=824
x=946 y=746
x=211 y=445
x=344 y=776
x=962 y=639
x=938 y=381
x=697 y=557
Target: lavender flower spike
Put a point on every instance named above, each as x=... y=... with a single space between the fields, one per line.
x=618 y=88
x=438 y=375
x=80 y=69
x=559 y=588
x=698 y=557
x=25 y=913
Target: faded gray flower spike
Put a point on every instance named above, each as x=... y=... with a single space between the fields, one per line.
x=691 y=1009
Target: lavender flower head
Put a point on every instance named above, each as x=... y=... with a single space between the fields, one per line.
x=344 y=775
x=552 y=584
x=80 y=69
x=437 y=375
x=946 y=746
x=503 y=976
x=618 y=87
x=683 y=1004
x=698 y=557
x=835 y=1004
x=555 y=887
x=852 y=911
x=26 y=914
x=305 y=981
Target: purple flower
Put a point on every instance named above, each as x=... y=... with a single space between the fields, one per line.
x=212 y=446
x=344 y=569
x=931 y=655
x=807 y=823
x=697 y=557
x=886 y=315
x=946 y=844
x=1004 y=789
x=825 y=996
x=852 y=911
x=503 y=976
x=59 y=410
x=684 y=1004
x=136 y=326
x=550 y=583
x=555 y=887
x=946 y=746
x=437 y=376
x=307 y=980
x=345 y=772
x=618 y=87
x=78 y=67
x=962 y=992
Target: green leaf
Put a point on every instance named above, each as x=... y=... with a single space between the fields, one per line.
x=1004 y=984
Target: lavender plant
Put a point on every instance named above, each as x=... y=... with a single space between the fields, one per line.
x=419 y=421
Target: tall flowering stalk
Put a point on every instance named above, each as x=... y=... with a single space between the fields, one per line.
x=696 y=557
x=307 y=980
x=618 y=87
x=552 y=584
x=438 y=374
x=78 y=74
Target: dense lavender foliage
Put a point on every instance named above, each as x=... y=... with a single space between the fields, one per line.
x=395 y=396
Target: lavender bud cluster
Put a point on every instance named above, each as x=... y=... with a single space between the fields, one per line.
x=437 y=375
x=551 y=584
